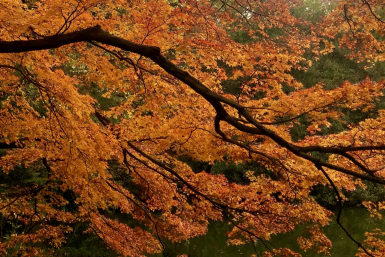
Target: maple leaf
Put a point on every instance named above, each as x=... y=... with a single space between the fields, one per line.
x=105 y=98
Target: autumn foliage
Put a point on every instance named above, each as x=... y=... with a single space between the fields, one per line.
x=103 y=98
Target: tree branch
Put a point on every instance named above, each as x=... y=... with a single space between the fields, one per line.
x=339 y=200
x=217 y=101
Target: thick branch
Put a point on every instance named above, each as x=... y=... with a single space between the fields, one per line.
x=338 y=150
x=97 y=34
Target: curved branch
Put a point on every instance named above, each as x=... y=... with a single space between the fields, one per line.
x=297 y=116
x=220 y=205
x=339 y=199
x=217 y=101
x=372 y=12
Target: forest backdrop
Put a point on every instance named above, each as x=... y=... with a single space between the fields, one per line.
x=139 y=122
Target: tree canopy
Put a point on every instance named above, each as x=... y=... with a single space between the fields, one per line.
x=104 y=105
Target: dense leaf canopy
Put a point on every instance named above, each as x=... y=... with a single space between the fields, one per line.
x=102 y=102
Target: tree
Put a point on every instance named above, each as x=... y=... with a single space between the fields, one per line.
x=103 y=98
